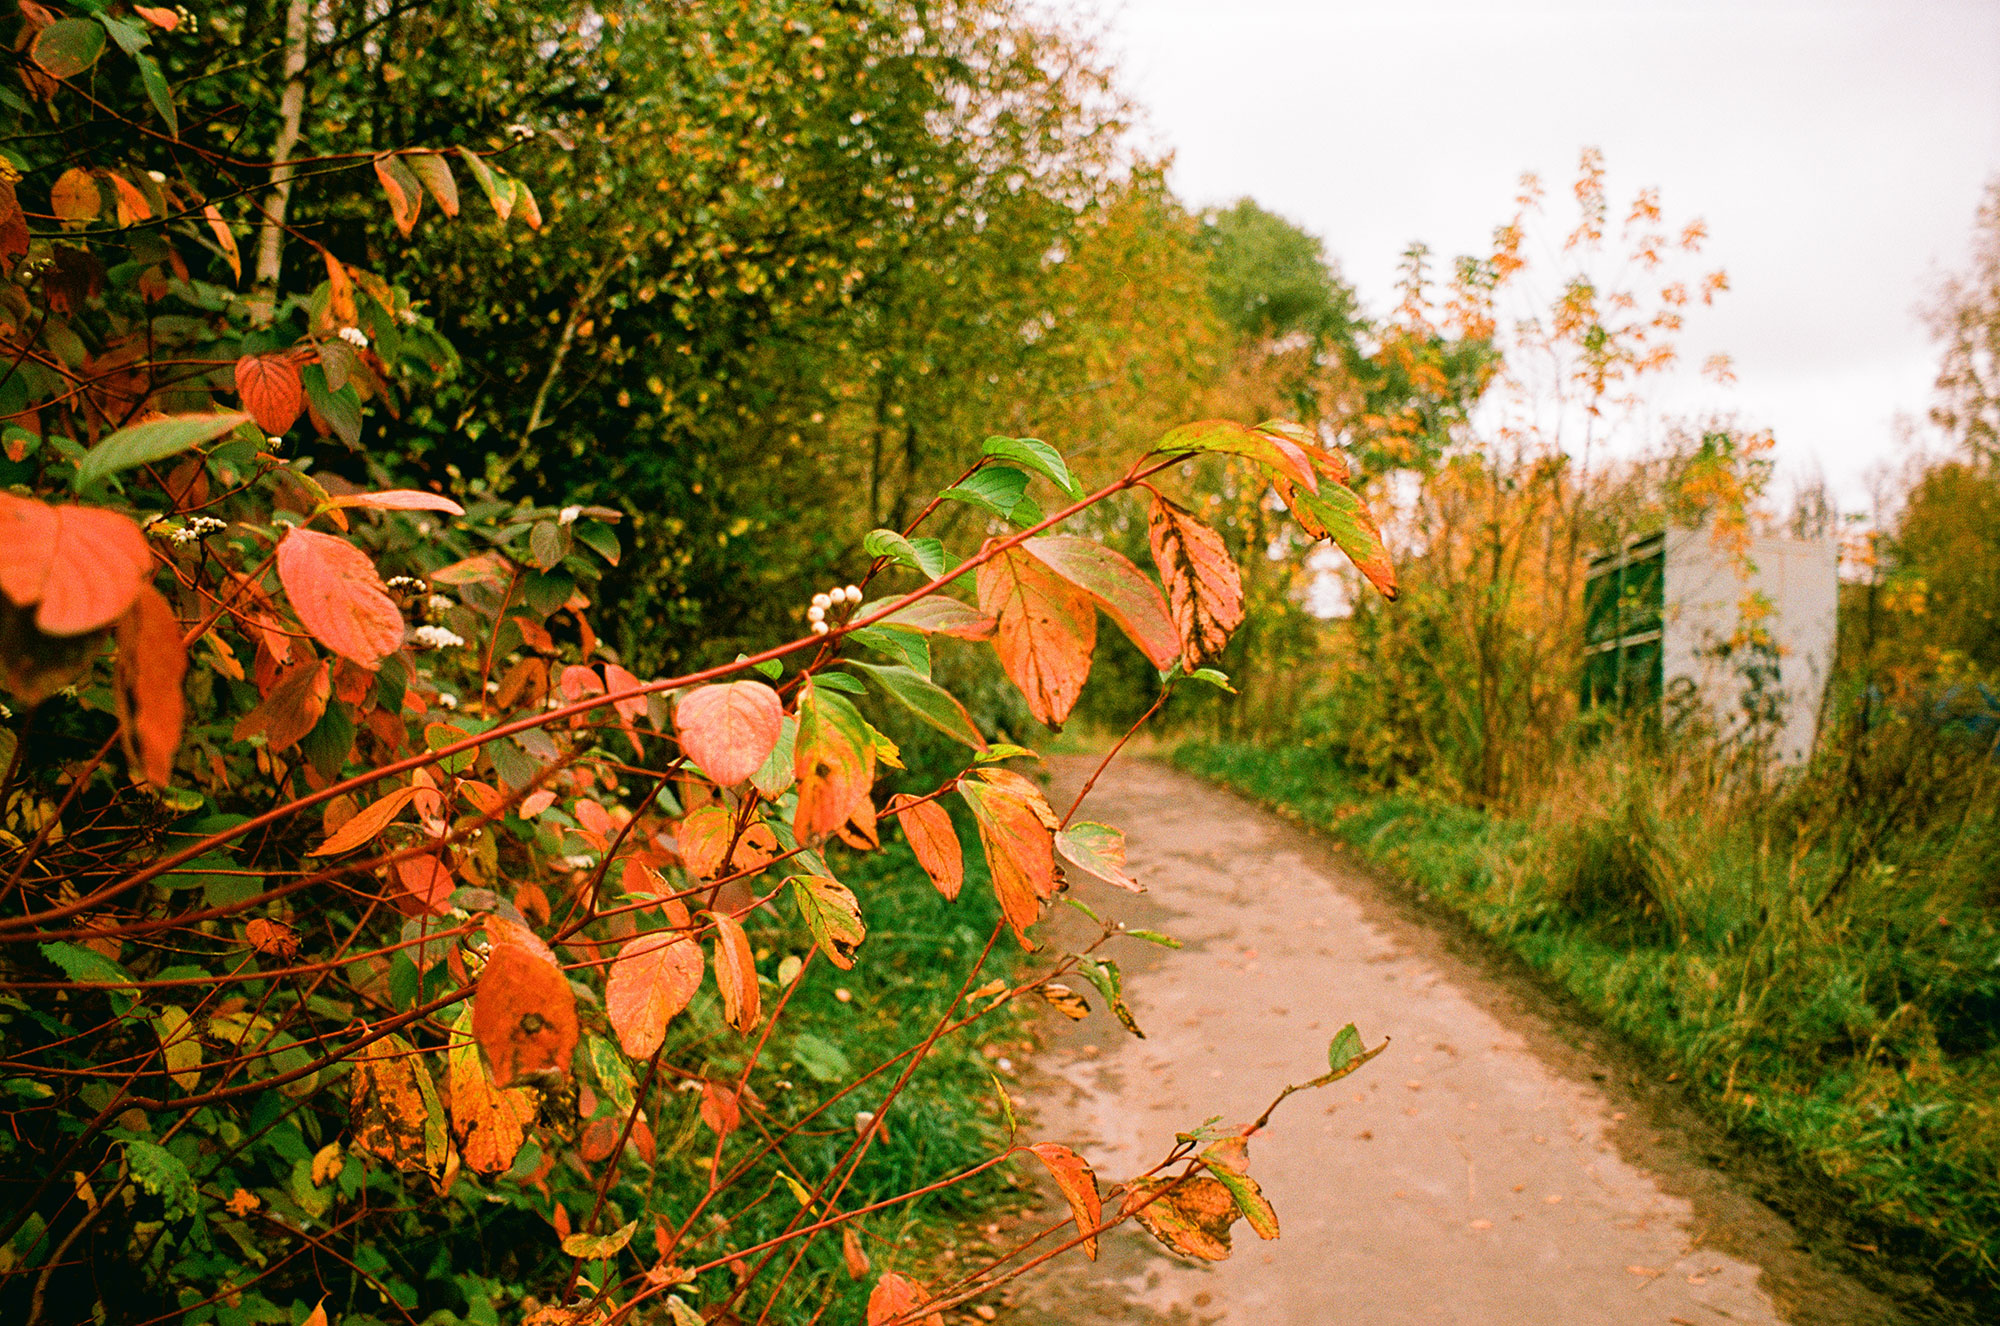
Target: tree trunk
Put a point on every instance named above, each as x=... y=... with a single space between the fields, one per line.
x=291 y=108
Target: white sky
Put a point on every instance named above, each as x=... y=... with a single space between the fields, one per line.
x=1836 y=150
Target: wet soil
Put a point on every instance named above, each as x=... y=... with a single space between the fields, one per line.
x=1500 y=1162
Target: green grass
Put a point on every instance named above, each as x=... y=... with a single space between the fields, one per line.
x=1862 y=1047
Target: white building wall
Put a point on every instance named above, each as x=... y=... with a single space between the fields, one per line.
x=1704 y=593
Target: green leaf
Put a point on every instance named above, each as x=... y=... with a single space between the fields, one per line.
x=1229 y=1161
x=501 y=198
x=1336 y=512
x=1103 y=973
x=926 y=556
x=161 y=1173
x=154 y=440
x=822 y=1060
x=1344 y=1050
x=68 y=46
x=341 y=409
x=832 y=915
x=906 y=646
x=1007 y=1114
x=1213 y=677
x=1085 y=908
x=601 y=1245
x=1155 y=937
x=159 y=93
x=1223 y=436
x=1001 y=750
x=777 y=773
x=1038 y=456
x=838 y=681
x=600 y=539
x=924 y=698
x=996 y=488
x=546 y=545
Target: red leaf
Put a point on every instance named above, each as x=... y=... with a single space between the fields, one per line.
x=271 y=390
x=1120 y=588
x=895 y=1296
x=1079 y=1188
x=401 y=499
x=82 y=565
x=833 y=759
x=653 y=978
x=1017 y=830
x=1203 y=587
x=928 y=827
x=939 y=614
x=426 y=886
x=736 y=974
x=292 y=709
x=1336 y=512
x=730 y=730
x=151 y=666
x=524 y=1013
x=617 y=679
x=337 y=595
x=1046 y=630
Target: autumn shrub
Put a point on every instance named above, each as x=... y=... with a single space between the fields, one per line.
x=375 y=944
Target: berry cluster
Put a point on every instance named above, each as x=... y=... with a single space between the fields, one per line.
x=835 y=598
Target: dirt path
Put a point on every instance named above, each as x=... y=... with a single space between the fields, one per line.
x=1485 y=1169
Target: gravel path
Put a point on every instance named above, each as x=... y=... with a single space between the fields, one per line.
x=1484 y=1169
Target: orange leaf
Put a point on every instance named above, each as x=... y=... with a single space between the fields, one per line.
x=340 y=292
x=524 y=1013
x=401 y=499
x=833 y=759
x=895 y=1296
x=272 y=938
x=730 y=730
x=1015 y=829
x=82 y=566
x=364 y=825
x=1203 y=587
x=928 y=827
x=394 y=1107
x=702 y=838
x=74 y=197
x=1193 y=1219
x=151 y=666
x=337 y=595
x=1047 y=629
x=271 y=390
x=292 y=709
x=132 y=205
x=436 y=176
x=720 y=1109
x=489 y=1124
x=225 y=239
x=653 y=978
x=406 y=196
x=1120 y=588
x=852 y=1253
x=1078 y=1182
x=736 y=974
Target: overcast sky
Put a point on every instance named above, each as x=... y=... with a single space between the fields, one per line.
x=1837 y=152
